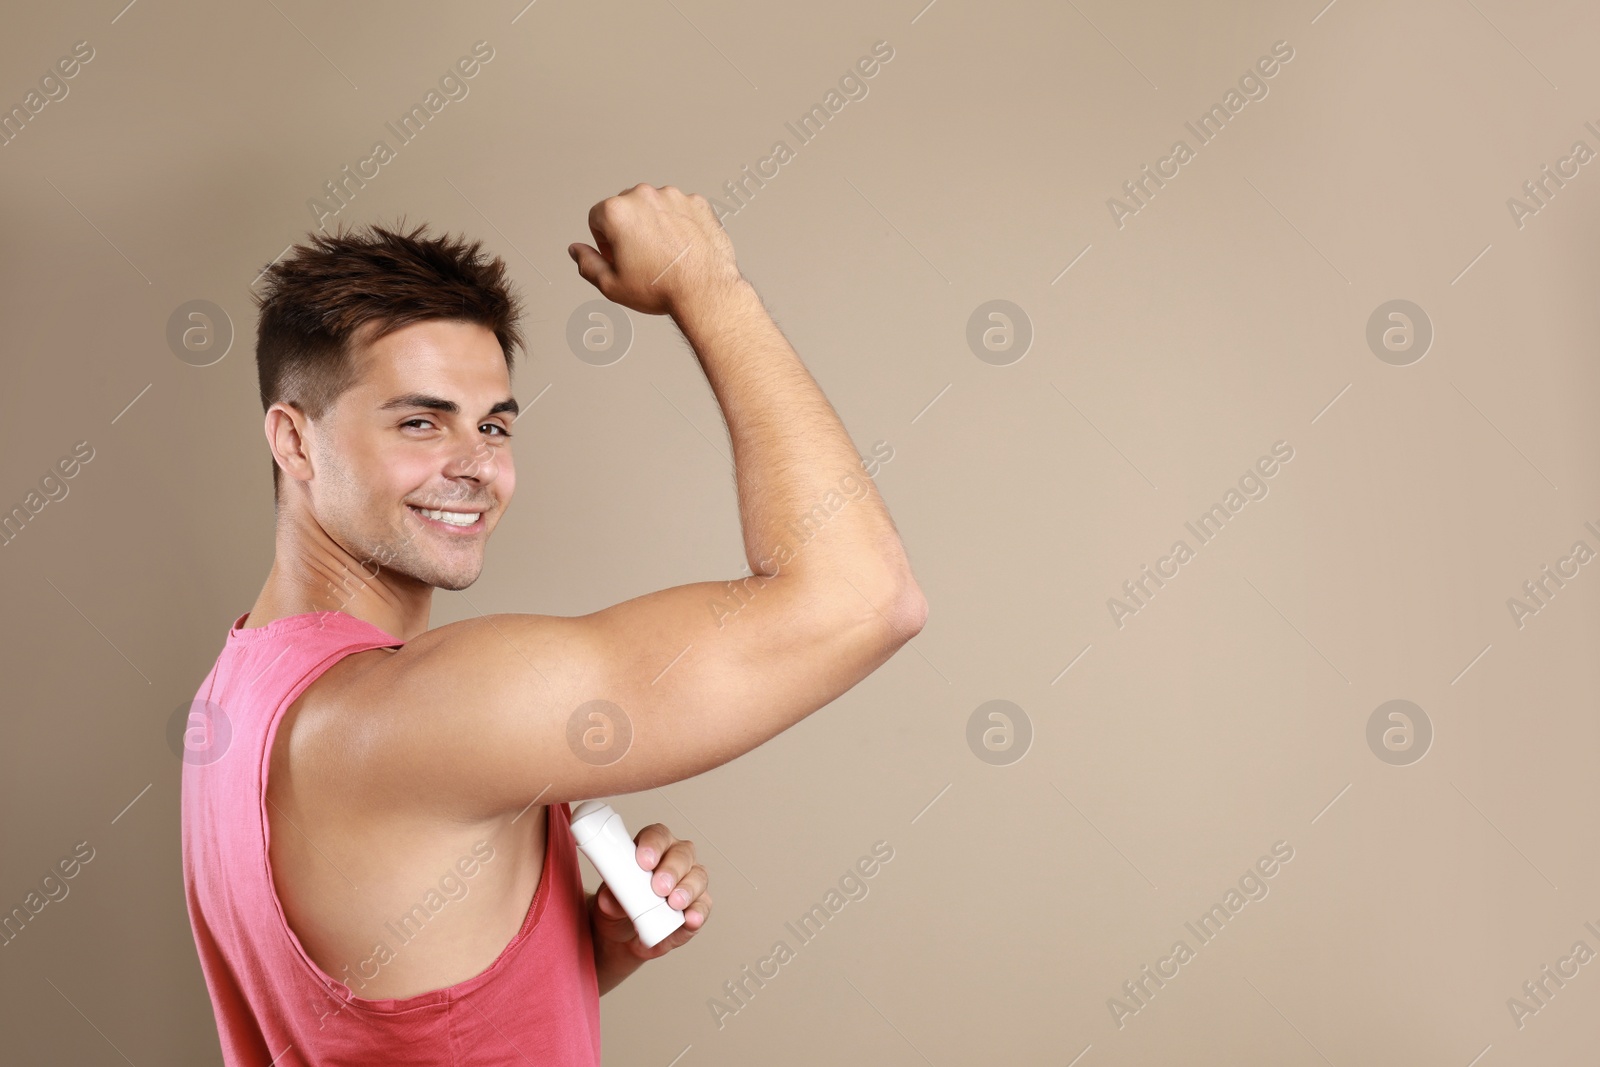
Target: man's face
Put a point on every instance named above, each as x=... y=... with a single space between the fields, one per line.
x=391 y=454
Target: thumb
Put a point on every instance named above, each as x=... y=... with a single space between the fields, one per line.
x=607 y=903
x=592 y=265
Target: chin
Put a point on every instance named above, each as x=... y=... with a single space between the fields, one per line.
x=458 y=577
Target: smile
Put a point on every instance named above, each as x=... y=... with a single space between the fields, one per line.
x=459 y=520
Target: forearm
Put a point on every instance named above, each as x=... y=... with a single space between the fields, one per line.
x=807 y=507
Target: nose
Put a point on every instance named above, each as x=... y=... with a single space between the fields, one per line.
x=476 y=464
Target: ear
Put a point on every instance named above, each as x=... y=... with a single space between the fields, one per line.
x=287 y=429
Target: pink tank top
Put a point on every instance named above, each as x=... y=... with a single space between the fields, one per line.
x=537 y=1003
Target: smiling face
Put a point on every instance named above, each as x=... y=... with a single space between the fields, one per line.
x=413 y=462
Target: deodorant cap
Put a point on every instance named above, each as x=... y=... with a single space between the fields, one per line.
x=583 y=826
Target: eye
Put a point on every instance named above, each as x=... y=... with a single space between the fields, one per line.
x=503 y=431
x=411 y=422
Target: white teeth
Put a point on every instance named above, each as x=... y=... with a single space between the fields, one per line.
x=454 y=518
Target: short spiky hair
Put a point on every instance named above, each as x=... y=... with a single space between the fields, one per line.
x=313 y=301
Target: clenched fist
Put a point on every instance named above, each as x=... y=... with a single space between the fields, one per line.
x=657 y=250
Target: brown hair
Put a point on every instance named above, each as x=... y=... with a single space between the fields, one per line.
x=315 y=300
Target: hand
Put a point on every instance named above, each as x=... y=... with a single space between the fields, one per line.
x=677 y=877
x=658 y=250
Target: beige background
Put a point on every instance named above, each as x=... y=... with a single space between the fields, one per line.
x=1230 y=313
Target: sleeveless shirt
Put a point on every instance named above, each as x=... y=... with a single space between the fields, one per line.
x=537 y=1003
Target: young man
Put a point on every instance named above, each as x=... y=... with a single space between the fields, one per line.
x=377 y=854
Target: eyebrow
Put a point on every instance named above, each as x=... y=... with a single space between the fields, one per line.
x=449 y=407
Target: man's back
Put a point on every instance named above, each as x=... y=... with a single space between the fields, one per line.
x=349 y=873
x=436 y=945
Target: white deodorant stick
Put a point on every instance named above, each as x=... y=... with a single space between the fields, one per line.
x=601 y=836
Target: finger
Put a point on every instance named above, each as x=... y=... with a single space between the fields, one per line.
x=679 y=888
x=695 y=916
x=703 y=206
x=592 y=266
x=606 y=220
x=607 y=902
x=602 y=218
x=677 y=860
x=651 y=844
x=688 y=889
x=677 y=863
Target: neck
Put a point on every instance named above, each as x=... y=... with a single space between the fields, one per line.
x=312 y=572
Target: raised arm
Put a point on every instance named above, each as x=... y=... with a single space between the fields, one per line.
x=488 y=715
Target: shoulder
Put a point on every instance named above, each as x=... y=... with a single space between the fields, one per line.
x=320 y=731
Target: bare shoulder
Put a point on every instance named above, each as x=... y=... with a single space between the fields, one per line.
x=316 y=730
